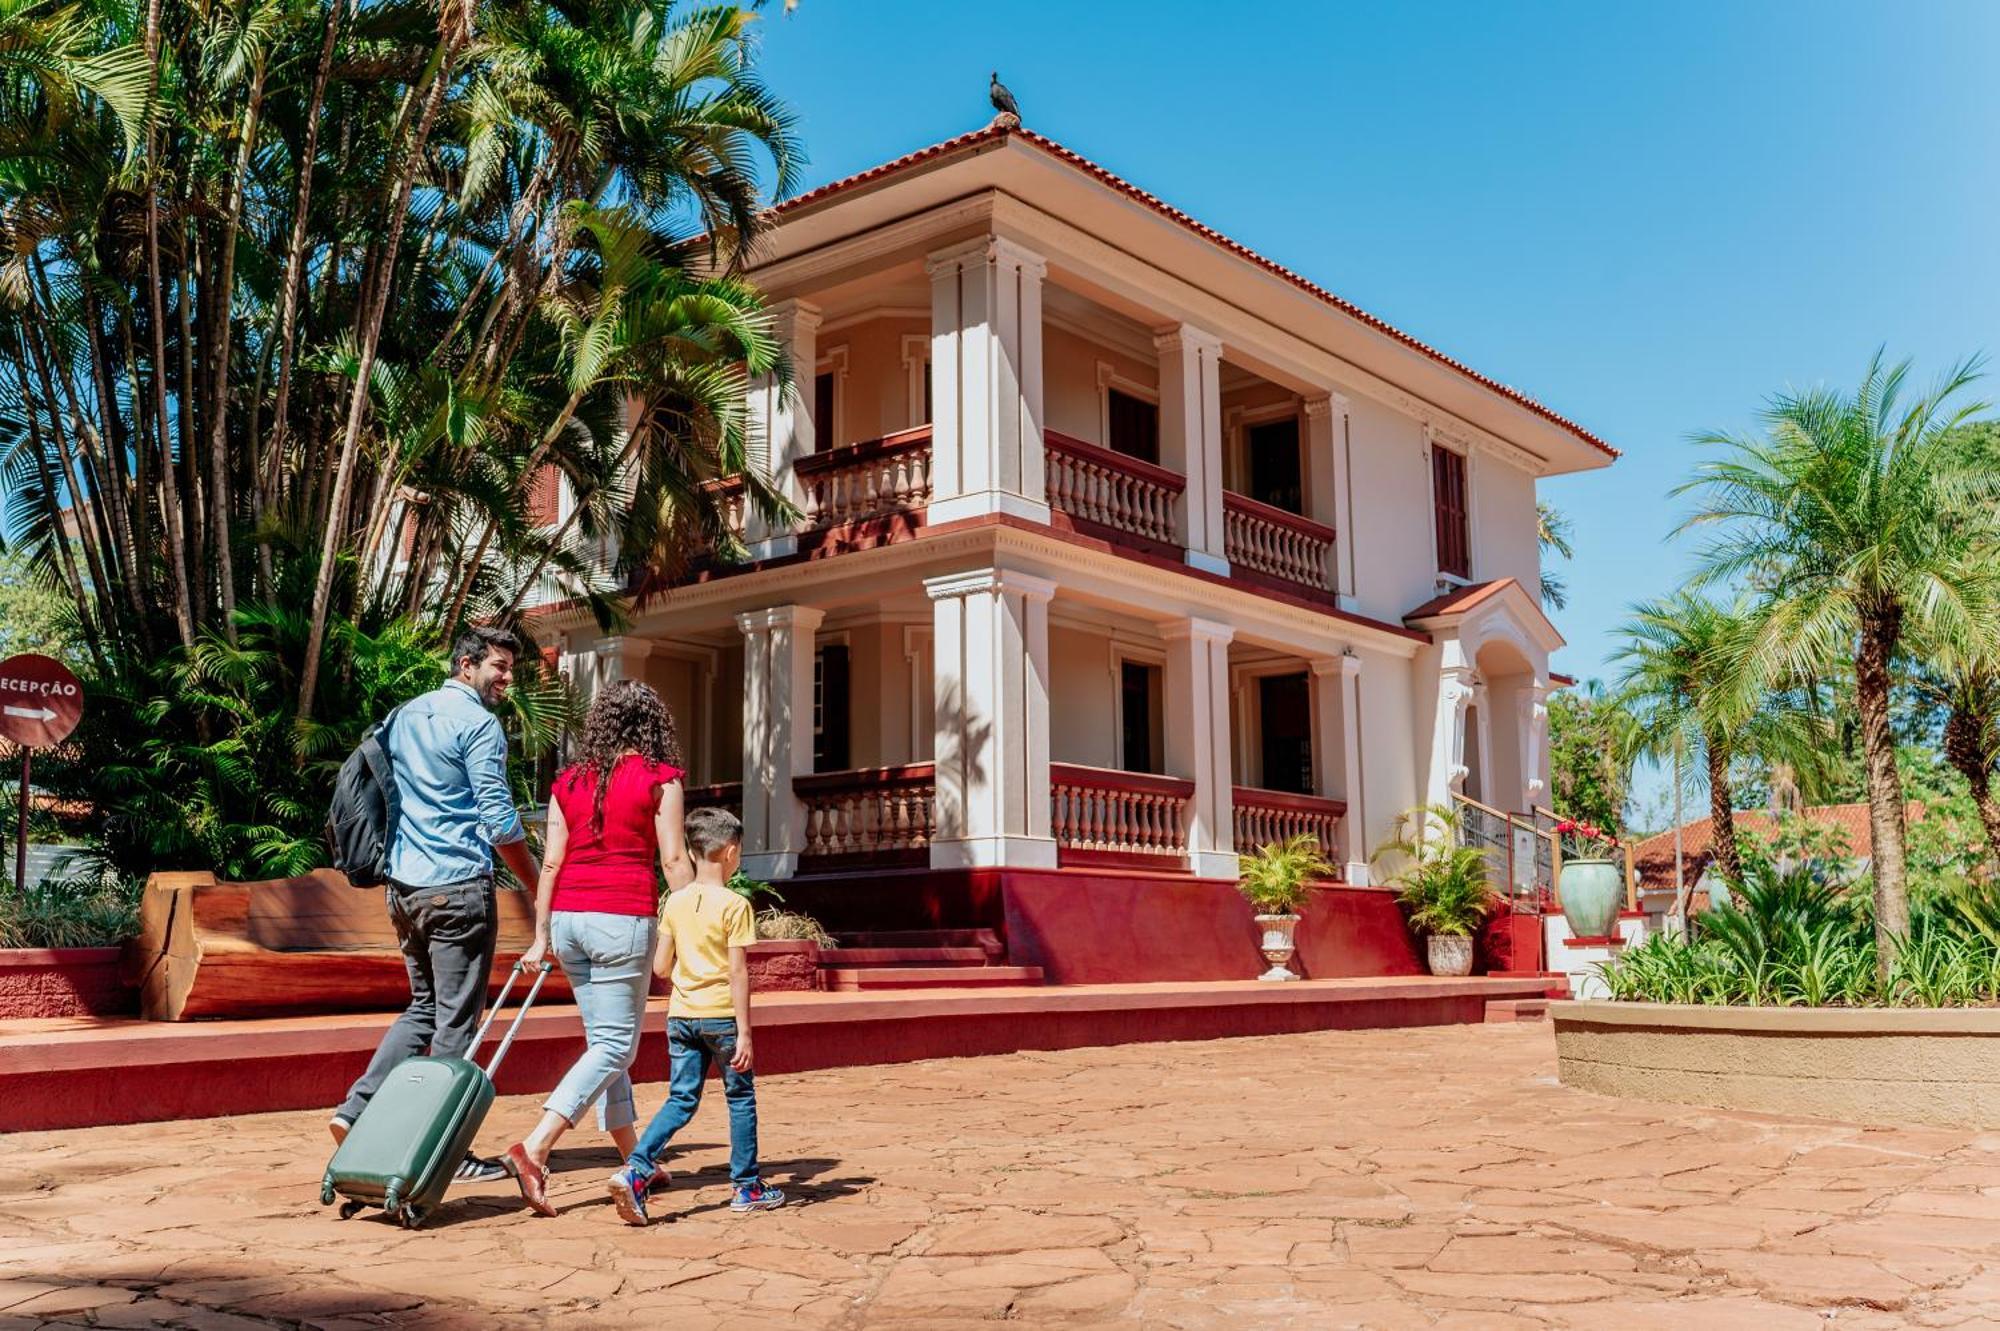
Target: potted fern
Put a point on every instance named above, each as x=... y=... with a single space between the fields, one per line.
x=1276 y=879
x=1443 y=887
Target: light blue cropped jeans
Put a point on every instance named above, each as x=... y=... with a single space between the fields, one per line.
x=609 y=960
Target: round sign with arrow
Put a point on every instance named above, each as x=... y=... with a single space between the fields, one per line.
x=40 y=700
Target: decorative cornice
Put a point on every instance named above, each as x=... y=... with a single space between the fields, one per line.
x=802 y=618
x=794 y=316
x=996 y=580
x=1186 y=337
x=1201 y=630
x=988 y=250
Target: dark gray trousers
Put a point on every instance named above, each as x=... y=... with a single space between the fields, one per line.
x=447 y=935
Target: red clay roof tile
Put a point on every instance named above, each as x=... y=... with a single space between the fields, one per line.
x=997 y=133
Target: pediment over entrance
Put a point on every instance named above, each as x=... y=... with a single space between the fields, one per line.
x=1488 y=611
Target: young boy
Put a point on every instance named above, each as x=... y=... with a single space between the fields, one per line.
x=704 y=928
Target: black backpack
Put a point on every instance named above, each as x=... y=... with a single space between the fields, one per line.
x=362 y=820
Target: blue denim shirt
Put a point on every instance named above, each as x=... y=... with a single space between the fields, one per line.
x=450 y=759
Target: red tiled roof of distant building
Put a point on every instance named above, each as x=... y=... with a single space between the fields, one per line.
x=1653 y=858
x=996 y=133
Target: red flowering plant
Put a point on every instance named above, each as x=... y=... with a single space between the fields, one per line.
x=1586 y=841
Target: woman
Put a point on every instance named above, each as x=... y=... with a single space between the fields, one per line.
x=613 y=816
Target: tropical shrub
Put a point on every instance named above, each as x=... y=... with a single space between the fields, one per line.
x=1276 y=877
x=1443 y=887
x=1798 y=935
x=88 y=910
x=754 y=890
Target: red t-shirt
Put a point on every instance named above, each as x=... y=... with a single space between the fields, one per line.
x=611 y=867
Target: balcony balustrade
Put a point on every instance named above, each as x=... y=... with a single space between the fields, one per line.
x=1269 y=541
x=877 y=479
x=1125 y=499
x=722 y=795
x=875 y=816
x=1106 y=816
x=1263 y=817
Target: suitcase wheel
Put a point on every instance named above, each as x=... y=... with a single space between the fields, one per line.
x=326 y=1194
x=411 y=1216
x=349 y=1209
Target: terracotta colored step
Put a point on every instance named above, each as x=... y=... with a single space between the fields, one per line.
x=929 y=977
x=984 y=939
x=1517 y=1009
x=902 y=956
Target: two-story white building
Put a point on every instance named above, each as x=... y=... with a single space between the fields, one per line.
x=1123 y=549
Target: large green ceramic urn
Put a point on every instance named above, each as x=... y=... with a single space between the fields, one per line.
x=1592 y=892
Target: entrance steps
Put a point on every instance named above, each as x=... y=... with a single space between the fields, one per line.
x=921 y=959
x=1516 y=1009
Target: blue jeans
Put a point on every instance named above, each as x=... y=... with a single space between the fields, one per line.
x=608 y=959
x=693 y=1043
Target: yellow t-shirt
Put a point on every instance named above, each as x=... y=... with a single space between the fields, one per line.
x=705 y=923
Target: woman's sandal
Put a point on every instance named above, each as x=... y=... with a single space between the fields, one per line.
x=534 y=1180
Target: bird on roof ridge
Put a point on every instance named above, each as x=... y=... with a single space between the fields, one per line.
x=1003 y=102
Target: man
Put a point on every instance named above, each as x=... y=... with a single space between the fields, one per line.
x=449 y=754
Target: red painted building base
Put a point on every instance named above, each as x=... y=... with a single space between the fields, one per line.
x=1115 y=926
x=80 y=1072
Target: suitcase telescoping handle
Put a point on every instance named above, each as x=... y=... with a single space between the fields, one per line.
x=514 y=1028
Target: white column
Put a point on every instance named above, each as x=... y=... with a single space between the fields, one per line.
x=1534 y=740
x=782 y=429
x=620 y=658
x=1191 y=437
x=990 y=690
x=1326 y=486
x=1196 y=685
x=986 y=382
x=1447 y=769
x=1336 y=740
x=1345 y=552
x=777 y=734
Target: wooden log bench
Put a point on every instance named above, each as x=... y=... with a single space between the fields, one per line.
x=286 y=947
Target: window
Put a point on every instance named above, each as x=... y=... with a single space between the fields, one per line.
x=1284 y=707
x=823 y=411
x=1140 y=717
x=830 y=709
x=1454 y=546
x=1275 y=476
x=1134 y=426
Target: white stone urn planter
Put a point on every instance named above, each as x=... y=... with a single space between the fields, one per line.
x=1450 y=954
x=1277 y=945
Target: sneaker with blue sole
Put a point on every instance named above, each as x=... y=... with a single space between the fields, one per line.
x=756 y=1197
x=628 y=1194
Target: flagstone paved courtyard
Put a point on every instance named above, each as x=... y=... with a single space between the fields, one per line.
x=1415 y=1178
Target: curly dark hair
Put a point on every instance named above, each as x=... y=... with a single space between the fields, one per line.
x=626 y=716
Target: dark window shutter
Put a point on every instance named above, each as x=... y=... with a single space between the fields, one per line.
x=1454 y=545
x=1135 y=716
x=1276 y=478
x=823 y=413
x=1134 y=425
x=831 y=740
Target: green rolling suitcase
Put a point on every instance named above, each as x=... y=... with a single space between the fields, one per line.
x=402 y=1151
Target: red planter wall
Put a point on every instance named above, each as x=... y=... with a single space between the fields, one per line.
x=64 y=982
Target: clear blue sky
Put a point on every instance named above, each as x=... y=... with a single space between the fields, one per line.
x=1650 y=218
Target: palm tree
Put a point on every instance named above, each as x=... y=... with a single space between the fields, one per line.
x=1864 y=524
x=1552 y=535
x=1682 y=661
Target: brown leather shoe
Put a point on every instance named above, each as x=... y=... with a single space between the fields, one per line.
x=534 y=1180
